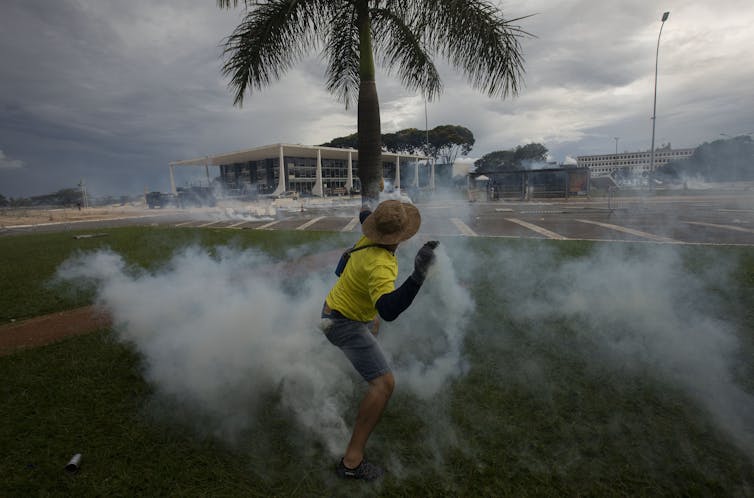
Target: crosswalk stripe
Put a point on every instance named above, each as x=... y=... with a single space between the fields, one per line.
x=631 y=231
x=268 y=225
x=715 y=225
x=535 y=228
x=209 y=224
x=309 y=223
x=463 y=227
x=351 y=225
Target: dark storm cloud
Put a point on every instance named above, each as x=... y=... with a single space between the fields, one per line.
x=112 y=91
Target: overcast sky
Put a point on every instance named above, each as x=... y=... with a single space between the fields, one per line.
x=110 y=91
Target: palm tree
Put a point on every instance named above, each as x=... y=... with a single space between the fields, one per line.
x=405 y=35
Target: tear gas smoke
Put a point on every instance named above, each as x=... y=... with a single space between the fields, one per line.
x=220 y=332
x=632 y=311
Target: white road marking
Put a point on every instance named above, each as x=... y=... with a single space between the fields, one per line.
x=715 y=225
x=268 y=225
x=234 y=225
x=541 y=212
x=463 y=227
x=184 y=223
x=9 y=227
x=309 y=223
x=209 y=224
x=542 y=231
x=351 y=224
x=631 y=231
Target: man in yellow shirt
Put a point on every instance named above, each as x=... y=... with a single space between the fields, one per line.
x=364 y=293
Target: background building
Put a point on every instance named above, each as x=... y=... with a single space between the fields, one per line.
x=305 y=169
x=630 y=163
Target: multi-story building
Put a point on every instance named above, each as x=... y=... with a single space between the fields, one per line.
x=305 y=169
x=630 y=163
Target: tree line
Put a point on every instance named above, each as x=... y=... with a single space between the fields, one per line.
x=717 y=161
x=443 y=143
x=521 y=157
x=67 y=197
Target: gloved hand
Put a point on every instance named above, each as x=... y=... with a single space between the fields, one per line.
x=425 y=258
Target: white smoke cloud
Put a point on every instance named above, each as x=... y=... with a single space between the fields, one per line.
x=637 y=311
x=220 y=332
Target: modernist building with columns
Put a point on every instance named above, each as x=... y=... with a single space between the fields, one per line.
x=634 y=163
x=306 y=169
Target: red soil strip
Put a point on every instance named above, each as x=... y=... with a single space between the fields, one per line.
x=51 y=328
x=54 y=327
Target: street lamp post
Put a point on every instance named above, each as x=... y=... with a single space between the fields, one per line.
x=654 y=105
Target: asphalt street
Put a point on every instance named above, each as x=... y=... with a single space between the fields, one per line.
x=682 y=219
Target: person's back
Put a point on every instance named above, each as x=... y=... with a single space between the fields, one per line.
x=370 y=273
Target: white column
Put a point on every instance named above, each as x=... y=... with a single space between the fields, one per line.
x=172 y=180
x=416 y=174
x=281 y=174
x=349 y=181
x=317 y=189
x=432 y=176
x=397 y=181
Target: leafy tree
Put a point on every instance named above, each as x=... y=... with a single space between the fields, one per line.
x=408 y=141
x=446 y=142
x=20 y=202
x=348 y=142
x=719 y=160
x=530 y=153
x=3 y=201
x=499 y=160
x=404 y=35
x=522 y=157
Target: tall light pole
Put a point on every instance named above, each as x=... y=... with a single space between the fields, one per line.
x=654 y=106
x=616 y=145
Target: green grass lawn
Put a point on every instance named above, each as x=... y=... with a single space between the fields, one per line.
x=535 y=415
x=30 y=261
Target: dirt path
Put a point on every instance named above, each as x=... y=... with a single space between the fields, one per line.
x=51 y=328
x=54 y=327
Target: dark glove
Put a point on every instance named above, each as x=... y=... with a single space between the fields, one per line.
x=425 y=258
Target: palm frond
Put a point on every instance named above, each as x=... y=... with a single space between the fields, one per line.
x=400 y=49
x=271 y=38
x=226 y=4
x=342 y=54
x=476 y=39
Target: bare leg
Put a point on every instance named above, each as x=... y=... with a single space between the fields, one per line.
x=370 y=411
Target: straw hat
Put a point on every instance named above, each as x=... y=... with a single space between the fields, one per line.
x=392 y=222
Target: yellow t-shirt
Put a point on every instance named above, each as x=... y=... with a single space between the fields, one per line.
x=369 y=274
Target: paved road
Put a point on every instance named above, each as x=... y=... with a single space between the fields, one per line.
x=698 y=219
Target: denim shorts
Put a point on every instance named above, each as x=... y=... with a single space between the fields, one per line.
x=358 y=344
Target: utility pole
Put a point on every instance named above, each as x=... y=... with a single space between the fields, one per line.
x=654 y=106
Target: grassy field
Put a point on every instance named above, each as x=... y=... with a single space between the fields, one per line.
x=547 y=407
x=29 y=261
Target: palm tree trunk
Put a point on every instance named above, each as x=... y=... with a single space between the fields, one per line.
x=370 y=148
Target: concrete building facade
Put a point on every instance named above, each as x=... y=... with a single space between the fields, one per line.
x=304 y=169
x=632 y=163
